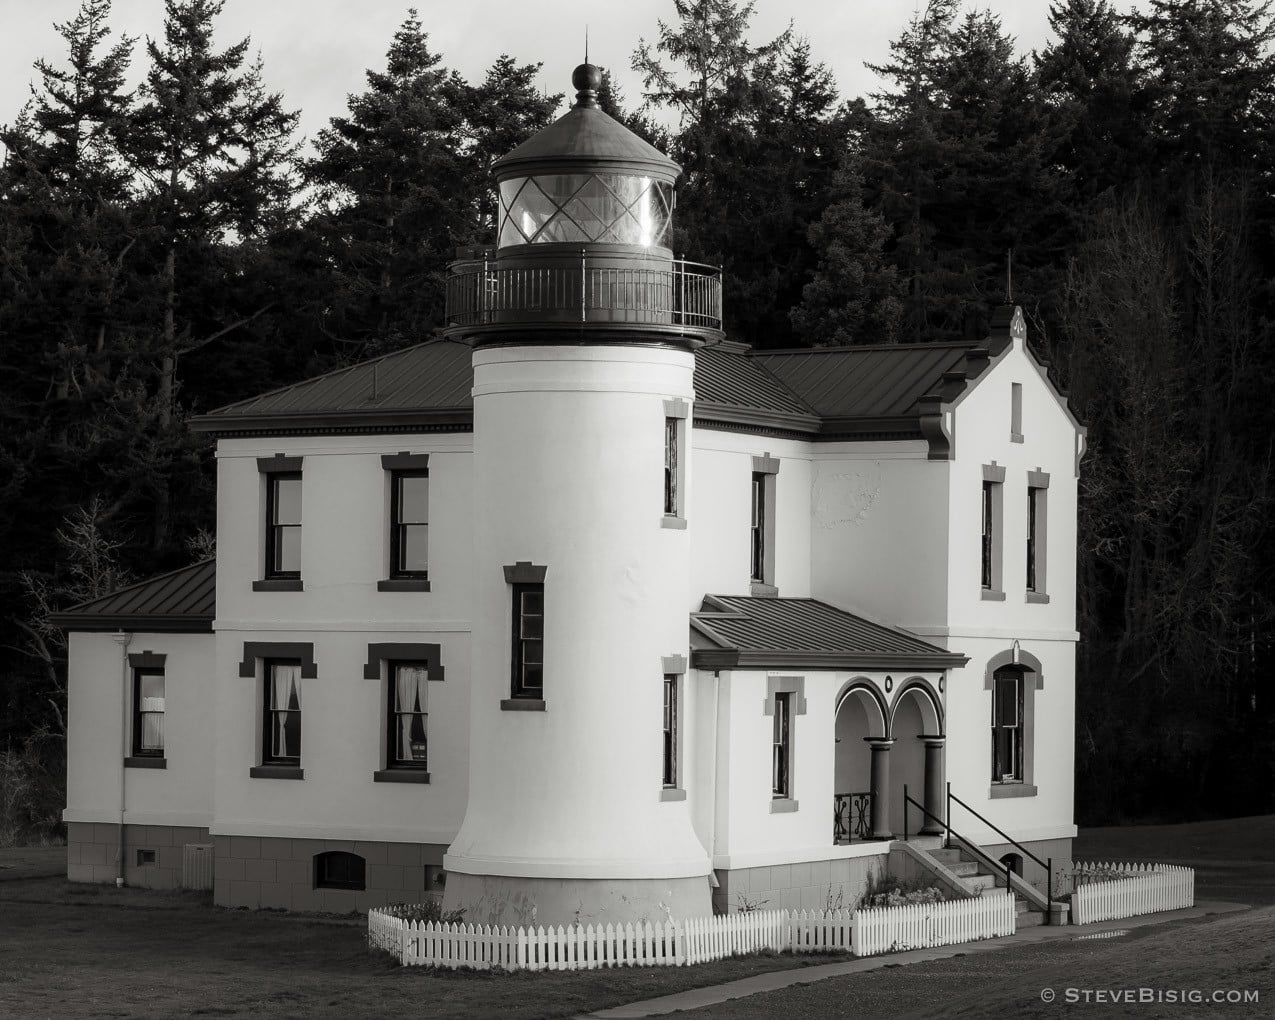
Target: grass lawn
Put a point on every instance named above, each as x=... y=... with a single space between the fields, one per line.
x=69 y=950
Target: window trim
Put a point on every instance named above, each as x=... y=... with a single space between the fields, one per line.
x=1036 y=576
x=991 y=550
x=676 y=415
x=1017 y=774
x=268 y=760
x=518 y=690
x=397 y=467
x=271 y=571
x=673 y=667
x=350 y=885
x=761 y=544
x=140 y=752
x=1016 y=413
x=392 y=762
x=793 y=689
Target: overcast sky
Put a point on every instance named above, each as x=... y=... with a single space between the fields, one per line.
x=316 y=51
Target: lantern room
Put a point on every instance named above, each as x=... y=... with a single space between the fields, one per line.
x=585 y=215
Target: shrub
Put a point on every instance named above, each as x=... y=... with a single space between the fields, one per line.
x=431 y=910
x=889 y=891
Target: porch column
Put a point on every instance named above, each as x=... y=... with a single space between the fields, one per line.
x=933 y=784
x=880 y=786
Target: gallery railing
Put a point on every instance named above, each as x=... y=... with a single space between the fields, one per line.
x=851 y=817
x=590 y=289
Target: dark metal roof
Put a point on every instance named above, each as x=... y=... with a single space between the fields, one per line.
x=865 y=382
x=429 y=383
x=184 y=600
x=726 y=377
x=585 y=137
x=757 y=632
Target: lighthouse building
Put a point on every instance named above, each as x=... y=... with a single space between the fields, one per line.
x=581 y=611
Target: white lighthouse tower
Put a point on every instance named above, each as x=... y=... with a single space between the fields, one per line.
x=583 y=327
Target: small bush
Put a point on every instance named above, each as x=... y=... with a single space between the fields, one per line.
x=889 y=891
x=431 y=910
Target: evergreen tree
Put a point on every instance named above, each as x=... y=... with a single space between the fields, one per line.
x=387 y=177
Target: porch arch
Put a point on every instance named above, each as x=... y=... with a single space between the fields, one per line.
x=874 y=706
x=928 y=703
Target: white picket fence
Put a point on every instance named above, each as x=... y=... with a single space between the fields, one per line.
x=923 y=925
x=1148 y=888
x=695 y=940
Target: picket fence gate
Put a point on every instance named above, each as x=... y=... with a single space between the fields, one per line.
x=924 y=925
x=679 y=943
x=1146 y=889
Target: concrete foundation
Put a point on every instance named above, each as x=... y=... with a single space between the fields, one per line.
x=496 y=899
x=814 y=885
x=1033 y=873
x=152 y=853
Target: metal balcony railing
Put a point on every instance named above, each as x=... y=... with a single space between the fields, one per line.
x=851 y=817
x=593 y=290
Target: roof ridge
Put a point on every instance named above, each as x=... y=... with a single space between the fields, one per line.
x=80 y=606
x=843 y=348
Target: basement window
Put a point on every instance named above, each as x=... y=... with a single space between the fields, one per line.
x=338 y=869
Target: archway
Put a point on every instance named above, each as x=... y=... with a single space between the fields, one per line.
x=861 y=715
x=916 y=723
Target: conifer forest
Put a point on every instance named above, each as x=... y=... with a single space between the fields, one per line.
x=169 y=244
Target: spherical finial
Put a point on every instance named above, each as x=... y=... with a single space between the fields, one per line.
x=587 y=79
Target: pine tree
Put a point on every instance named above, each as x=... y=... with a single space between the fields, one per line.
x=387 y=177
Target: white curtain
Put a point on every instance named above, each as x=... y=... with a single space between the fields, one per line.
x=410 y=691
x=152 y=710
x=285 y=698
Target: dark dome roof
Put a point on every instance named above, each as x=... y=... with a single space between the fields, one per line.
x=583 y=139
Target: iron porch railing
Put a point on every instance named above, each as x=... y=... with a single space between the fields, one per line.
x=851 y=817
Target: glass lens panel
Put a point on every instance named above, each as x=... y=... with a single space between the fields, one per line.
x=510 y=234
x=532 y=209
x=287 y=500
x=413 y=555
x=287 y=549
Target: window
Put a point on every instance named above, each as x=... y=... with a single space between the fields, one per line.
x=757 y=562
x=670 y=730
x=528 y=635
x=148 y=713
x=408 y=702
x=987 y=534
x=671 y=428
x=409 y=525
x=990 y=575
x=283 y=526
x=1031 y=539
x=781 y=746
x=1016 y=412
x=337 y=869
x=1007 y=726
x=281 y=714
x=1037 y=525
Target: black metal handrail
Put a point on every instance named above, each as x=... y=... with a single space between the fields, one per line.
x=592 y=288
x=857 y=811
x=1047 y=864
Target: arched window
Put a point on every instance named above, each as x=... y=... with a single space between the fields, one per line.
x=1015 y=863
x=1007 y=725
x=338 y=869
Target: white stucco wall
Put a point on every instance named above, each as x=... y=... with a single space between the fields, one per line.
x=878 y=542
x=720 y=514
x=345 y=551
x=181 y=793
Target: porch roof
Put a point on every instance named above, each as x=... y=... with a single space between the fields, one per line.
x=183 y=601
x=754 y=632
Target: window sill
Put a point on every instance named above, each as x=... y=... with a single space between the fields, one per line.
x=672 y=793
x=992 y=595
x=278 y=584
x=522 y=705
x=142 y=762
x=673 y=523
x=1001 y=791
x=782 y=805
x=1037 y=598
x=403 y=584
x=276 y=772
x=768 y=591
x=400 y=776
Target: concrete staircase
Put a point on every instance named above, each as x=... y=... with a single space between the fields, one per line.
x=975 y=876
